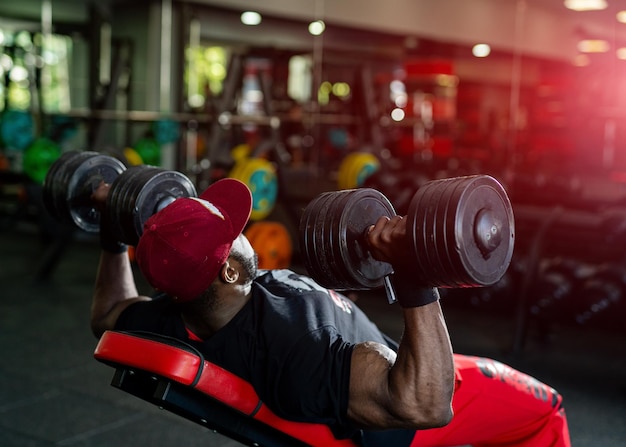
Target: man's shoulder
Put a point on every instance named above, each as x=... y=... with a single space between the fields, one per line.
x=160 y=314
x=289 y=284
x=295 y=301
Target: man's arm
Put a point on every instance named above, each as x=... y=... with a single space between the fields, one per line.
x=414 y=388
x=115 y=289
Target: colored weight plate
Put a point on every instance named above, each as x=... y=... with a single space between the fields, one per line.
x=260 y=176
x=272 y=243
x=38 y=158
x=17 y=129
x=165 y=131
x=462 y=230
x=132 y=157
x=70 y=182
x=140 y=192
x=241 y=152
x=368 y=164
x=355 y=168
x=149 y=150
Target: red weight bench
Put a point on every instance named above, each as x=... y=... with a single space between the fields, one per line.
x=174 y=376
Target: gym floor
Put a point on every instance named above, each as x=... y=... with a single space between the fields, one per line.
x=52 y=391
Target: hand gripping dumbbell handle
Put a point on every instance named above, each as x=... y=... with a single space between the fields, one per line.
x=411 y=294
x=391 y=294
x=100 y=194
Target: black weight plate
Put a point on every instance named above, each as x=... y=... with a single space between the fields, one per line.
x=334 y=240
x=120 y=201
x=361 y=209
x=70 y=183
x=484 y=194
x=158 y=192
x=421 y=233
x=139 y=193
x=435 y=243
x=444 y=218
x=453 y=273
x=54 y=189
x=83 y=182
x=312 y=233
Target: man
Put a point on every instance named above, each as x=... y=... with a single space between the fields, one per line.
x=309 y=352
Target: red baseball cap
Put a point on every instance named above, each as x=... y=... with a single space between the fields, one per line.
x=183 y=246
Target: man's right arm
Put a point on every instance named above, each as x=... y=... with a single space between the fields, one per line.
x=115 y=287
x=114 y=290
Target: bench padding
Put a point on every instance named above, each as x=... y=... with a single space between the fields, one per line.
x=175 y=376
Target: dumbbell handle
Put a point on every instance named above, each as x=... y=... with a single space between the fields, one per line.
x=101 y=193
x=391 y=294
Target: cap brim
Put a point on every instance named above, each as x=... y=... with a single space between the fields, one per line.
x=233 y=197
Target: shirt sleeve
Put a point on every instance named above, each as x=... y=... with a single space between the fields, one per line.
x=313 y=381
x=156 y=315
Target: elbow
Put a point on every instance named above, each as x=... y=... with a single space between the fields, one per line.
x=432 y=411
x=96 y=331
x=439 y=417
x=97 y=327
x=429 y=416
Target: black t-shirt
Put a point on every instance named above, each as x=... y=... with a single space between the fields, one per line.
x=292 y=341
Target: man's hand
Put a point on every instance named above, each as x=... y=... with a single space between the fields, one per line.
x=108 y=242
x=100 y=195
x=387 y=241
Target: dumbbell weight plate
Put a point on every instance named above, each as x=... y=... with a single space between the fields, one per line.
x=70 y=182
x=355 y=215
x=430 y=267
x=333 y=241
x=332 y=230
x=140 y=192
x=463 y=231
x=312 y=240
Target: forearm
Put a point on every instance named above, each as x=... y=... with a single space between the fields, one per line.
x=411 y=388
x=421 y=381
x=114 y=289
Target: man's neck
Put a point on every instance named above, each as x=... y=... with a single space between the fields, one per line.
x=210 y=321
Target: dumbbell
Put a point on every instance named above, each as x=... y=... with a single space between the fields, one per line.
x=136 y=193
x=460 y=230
